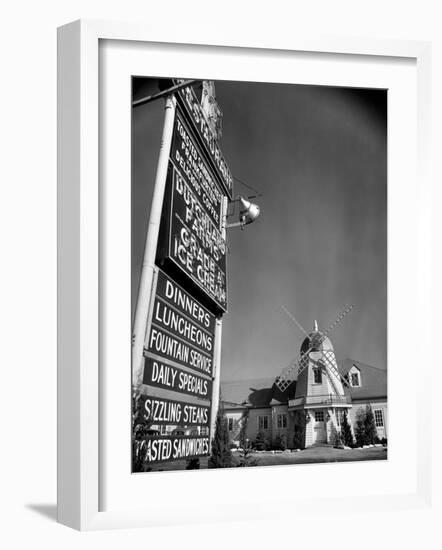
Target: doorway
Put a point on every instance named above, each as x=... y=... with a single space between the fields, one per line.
x=319 y=429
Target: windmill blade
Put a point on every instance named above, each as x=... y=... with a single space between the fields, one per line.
x=292 y=317
x=284 y=380
x=303 y=361
x=328 y=357
x=338 y=319
x=331 y=366
x=334 y=369
x=282 y=384
x=325 y=364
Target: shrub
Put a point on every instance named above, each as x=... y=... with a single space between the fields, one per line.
x=260 y=442
x=246 y=459
x=139 y=449
x=360 y=428
x=245 y=453
x=299 y=437
x=243 y=441
x=369 y=426
x=193 y=464
x=365 y=431
x=346 y=433
x=281 y=442
x=221 y=456
x=140 y=430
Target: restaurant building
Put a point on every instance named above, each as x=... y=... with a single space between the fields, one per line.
x=310 y=410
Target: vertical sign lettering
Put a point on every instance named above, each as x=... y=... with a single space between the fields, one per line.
x=193 y=228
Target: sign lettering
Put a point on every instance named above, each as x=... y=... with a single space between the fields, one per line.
x=162 y=375
x=195 y=244
x=184 y=302
x=165 y=345
x=161 y=449
x=173 y=321
x=190 y=163
x=181 y=330
x=159 y=410
x=192 y=107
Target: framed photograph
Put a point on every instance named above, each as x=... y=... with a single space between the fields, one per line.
x=242 y=232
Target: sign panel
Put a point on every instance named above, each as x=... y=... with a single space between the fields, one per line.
x=158 y=410
x=177 y=297
x=192 y=107
x=159 y=374
x=166 y=448
x=191 y=235
x=196 y=246
x=180 y=340
x=168 y=346
x=189 y=160
x=181 y=329
x=167 y=317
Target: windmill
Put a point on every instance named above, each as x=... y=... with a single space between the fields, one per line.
x=312 y=351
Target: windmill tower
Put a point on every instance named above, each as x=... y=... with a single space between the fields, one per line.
x=320 y=401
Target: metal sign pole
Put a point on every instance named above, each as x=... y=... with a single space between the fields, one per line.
x=218 y=340
x=217 y=378
x=147 y=270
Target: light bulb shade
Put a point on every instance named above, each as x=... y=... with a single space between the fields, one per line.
x=250 y=211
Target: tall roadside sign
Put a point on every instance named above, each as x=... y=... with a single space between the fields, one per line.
x=192 y=242
x=178 y=371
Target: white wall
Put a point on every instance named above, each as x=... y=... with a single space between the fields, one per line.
x=28 y=279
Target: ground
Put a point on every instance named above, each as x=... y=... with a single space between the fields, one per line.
x=307 y=456
x=320 y=454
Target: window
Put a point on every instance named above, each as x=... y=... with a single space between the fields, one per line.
x=281 y=421
x=230 y=421
x=317 y=374
x=319 y=416
x=379 y=418
x=163 y=429
x=263 y=422
x=354 y=377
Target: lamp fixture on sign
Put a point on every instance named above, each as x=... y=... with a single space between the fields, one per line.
x=248 y=213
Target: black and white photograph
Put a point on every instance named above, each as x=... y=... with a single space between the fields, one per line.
x=221 y=266
x=259 y=274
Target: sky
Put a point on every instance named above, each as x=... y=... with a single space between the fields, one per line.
x=318 y=155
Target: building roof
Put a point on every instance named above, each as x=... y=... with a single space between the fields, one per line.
x=373 y=380
x=316 y=341
x=262 y=392
x=254 y=392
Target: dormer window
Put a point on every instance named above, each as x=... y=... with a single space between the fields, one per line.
x=354 y=376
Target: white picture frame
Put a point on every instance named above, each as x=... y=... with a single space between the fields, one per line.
x=80 y=393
